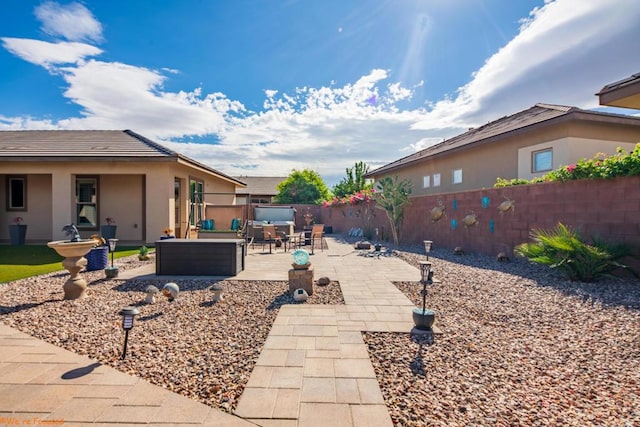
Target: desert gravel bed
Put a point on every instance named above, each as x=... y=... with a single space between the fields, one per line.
x=192 y=346
x=521 y=347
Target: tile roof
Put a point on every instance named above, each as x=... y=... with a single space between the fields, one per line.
x=620 y=83
x=89 y=145
x=624 y=93
x=538 y=115
x=260 y=185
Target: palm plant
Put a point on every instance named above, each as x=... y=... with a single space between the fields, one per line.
x=564 y=249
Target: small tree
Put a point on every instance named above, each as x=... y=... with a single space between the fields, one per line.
x=392 y=195
x=354 y=182
x=302 y=186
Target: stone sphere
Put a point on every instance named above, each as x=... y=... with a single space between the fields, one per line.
x=171 y=291
x=324 y=281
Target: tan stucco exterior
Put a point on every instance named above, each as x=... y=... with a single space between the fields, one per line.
x=138 y=195
x=510 y=155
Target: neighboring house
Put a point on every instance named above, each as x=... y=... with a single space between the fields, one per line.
x=260 y=189
x=55 y=177
x=524 y=145
x=624 y=93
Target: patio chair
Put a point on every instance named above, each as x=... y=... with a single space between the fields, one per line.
x=317 y=234
x=270 y=235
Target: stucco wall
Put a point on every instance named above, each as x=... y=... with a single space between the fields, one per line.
x=605 y=208
x=139 y=195
x=510 y=155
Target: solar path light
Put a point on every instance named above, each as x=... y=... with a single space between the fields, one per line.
x=423 y=318
x=127 y=313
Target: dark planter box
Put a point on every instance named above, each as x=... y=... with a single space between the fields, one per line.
x=97 y=258
x=17 y=232
x=200 y=257
x=108 y=231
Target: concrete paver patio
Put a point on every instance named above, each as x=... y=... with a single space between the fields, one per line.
x=313 y=370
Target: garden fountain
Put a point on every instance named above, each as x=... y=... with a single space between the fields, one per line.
x=73 y=251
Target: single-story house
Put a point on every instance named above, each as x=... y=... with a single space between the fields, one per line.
x=524 y=145
x=260 y=189
x=624 y=93
x=51 y=178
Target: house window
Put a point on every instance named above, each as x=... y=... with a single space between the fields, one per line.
x=426 y=181
x=436 y=180
x=16 y=193
x=457 y=176
x=196 y=194
x=87 y=202
x=542 y=160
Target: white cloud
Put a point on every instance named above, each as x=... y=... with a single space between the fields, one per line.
x=564 y=53
x=120 y=96
x=564 y=47
x=47 y=54
x=73 y=22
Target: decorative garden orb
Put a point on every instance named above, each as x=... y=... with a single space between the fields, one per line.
x=171 y=291
x=300 y=295
x=300 y=259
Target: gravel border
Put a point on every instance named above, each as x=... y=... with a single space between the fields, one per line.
x=521 y=347
x=201 y=349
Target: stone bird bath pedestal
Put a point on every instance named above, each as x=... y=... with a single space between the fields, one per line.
x=74 y=260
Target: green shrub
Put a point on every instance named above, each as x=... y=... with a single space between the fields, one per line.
x=564 y=249
x=600 y=166
x=501 y=182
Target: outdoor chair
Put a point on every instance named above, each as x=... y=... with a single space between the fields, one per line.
x=317 y=235
x=270 y=235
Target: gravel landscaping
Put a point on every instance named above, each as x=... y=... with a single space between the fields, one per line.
x=521 y=347
x=202 y=349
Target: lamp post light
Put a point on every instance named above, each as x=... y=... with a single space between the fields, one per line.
x=112 y=272
x=112 y=248
x=127 y=313
x=423 y=318
x=427 y=247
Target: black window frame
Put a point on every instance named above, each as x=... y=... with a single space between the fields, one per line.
x=9 y=191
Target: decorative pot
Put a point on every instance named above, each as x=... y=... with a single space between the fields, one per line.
x=108 y=231
x=111 y=272
x=17 y=232
x=165 y=237
x=97 y=258
x=423 y=319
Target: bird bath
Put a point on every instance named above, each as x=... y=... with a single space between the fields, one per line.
x=74 y=260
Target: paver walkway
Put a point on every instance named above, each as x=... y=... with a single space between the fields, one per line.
x=314 y=369
x=41 y=384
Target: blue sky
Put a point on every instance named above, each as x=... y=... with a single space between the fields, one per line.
x=262 y=87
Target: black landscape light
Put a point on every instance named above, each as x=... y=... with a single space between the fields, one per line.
x=427 y=247
x=127 y=313
x=112 y=248
x=423 y=318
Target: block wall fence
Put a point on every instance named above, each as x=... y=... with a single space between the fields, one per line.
x=609 y=209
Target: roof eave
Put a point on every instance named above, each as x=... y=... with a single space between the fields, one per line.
x=575 y=114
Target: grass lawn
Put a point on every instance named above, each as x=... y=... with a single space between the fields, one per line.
x=19 y=262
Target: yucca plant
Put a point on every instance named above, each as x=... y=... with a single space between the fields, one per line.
x=563 y=248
